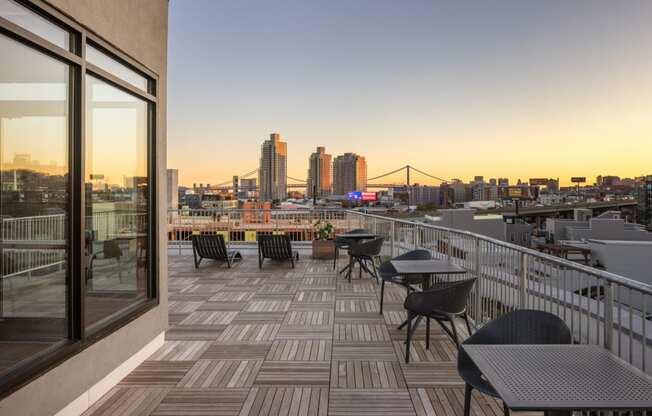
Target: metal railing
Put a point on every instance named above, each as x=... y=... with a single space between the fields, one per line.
x=242 y=225
x=599 y=307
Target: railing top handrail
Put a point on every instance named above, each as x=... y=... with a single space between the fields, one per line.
x=607 y=276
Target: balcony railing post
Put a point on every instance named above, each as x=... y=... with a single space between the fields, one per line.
x=477 y=308
x=608 y=315
x=448 y=244
x=393 y=234
x=522 y=284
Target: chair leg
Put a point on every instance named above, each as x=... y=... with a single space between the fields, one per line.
x=382 y=295
x=360 y=269
x=455 y=338
x=505 y=409
x=468 y=326
x=373 y=265
x=427 y=333
x=408 y=339
x=337 y=251
x=467 y=399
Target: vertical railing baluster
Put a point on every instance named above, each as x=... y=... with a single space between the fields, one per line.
x=608 y=315
x=523 y=281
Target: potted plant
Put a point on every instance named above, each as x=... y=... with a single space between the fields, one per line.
x=323 y=246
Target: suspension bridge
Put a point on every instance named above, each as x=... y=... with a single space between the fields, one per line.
x=408 y=172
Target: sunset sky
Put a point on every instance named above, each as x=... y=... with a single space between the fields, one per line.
x=496 y=88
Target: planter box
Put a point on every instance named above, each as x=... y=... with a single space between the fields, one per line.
x=323 y=249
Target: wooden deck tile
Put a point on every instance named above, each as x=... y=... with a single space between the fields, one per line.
x=180 y=350
x=221 y=374
x=194 y=332
x=202 y=402
x=300 y=350
x=442 y=374
x=219 y=351
x=363 y=351
x=286 y=401
x=370 y=402
x=126 y=401
x=366 y=375
x=450 y=401
x=157 y=373
x=209 y=318
x=361 y=332
x=309 y=318
x=237 y=333
x=294 y=373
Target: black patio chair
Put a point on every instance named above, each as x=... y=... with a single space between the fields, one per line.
x=110 y=250
x=443 y=304
x=387 y=272
x=276 y=247
x=362 y=252
x=212 y=246
x=342 y=243
x=520 y=327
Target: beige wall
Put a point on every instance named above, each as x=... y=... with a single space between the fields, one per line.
x=139 y=29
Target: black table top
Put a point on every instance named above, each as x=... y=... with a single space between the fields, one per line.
x=562 y=377
x=426 y=267
x=359 y=236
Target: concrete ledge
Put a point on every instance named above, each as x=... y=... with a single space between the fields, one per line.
x=92 y=395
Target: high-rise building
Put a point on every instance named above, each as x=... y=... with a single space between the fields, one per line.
x=645 y=202
x=173 y=189
x=349 y=173
x=319 y=173
x=272 y=174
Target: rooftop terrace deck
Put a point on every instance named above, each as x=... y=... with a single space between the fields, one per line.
x=282 y=341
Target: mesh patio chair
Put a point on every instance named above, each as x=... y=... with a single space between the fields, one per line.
x=342 y=243
x=110 y=250
x=387 y=272
x=276 y=247
x=363 y=252
x=443 y=304
x=520 y=327
x=212 y=246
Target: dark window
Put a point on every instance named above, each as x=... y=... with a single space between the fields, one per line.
x=34 y=207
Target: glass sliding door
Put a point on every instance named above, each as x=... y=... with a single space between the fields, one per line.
x=117 y=201
x=77 y=223
x=34 y=202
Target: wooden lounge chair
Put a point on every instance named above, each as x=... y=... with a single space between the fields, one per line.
x=211 y=246
x=276 y=247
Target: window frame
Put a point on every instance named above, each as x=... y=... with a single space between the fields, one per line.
x=75 y=58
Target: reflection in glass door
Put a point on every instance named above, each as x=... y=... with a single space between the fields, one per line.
x=116 y=182
x=34 y=208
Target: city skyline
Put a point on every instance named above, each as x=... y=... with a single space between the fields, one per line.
x=508 y=89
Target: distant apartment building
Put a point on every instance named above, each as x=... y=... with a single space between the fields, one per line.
x=173 y=188
x=272 y=174
x=349 y=173
x=644 y=206
x=247 y=189
x=319 y=173
x=460 y=190
x=424 y=195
